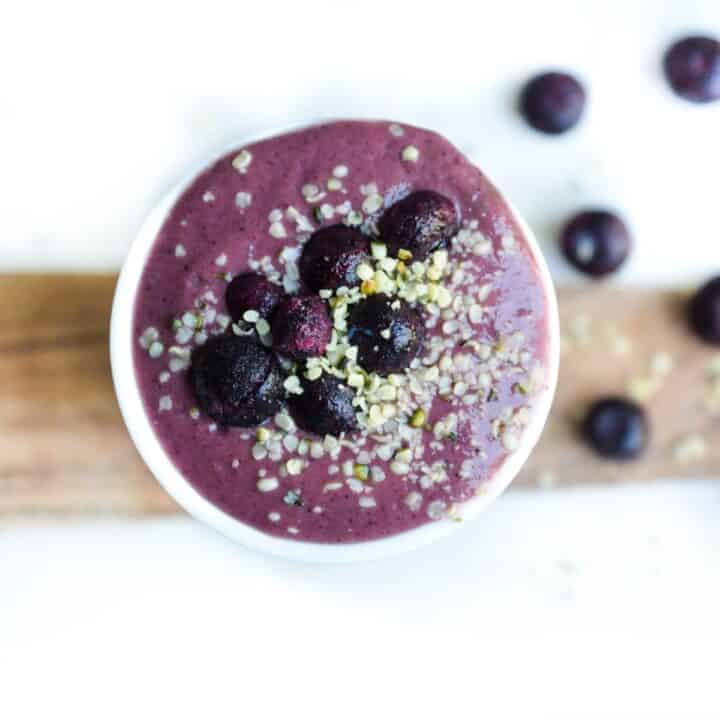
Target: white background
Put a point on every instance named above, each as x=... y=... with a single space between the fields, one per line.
x=599 y=602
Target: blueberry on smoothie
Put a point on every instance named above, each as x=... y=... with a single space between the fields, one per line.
x=616 y=428
x=692 y=67
x=325 y=406
x=302 y=327
x=704 y=311
x=553 y=102
x=331 y=257
x=236 y=381
x=421 y=223
x=389 y=334
x=252 y=291
x=596 y=242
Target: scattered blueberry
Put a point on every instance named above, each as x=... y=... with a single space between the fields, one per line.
x=252 y=291
x=236 y=380
x=389 y=334
x=616 y=428
x=302 y=326
x=553 y=102
x=325 y=406
x=705 y=311
x=331 y=256
x=692 y=67
x=420 y=223
x=596 y=242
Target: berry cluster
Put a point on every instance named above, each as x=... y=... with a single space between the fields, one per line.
x=240 y=379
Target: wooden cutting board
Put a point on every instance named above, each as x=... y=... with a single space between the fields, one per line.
x=64 y=448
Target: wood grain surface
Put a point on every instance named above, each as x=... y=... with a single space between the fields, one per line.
x=64 y=448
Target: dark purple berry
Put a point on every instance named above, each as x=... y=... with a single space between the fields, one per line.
x=389 y=334
x=692 y=67
x=331 y=257
x=596 y=242
x=302 y=327
x=325 y=406
x=252 y=291
x=616 y=428
x=553 y=102
x=236 y=380
x=704 y=311
x=420 y=223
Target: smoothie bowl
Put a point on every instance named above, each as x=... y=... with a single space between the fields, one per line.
x=336 y=343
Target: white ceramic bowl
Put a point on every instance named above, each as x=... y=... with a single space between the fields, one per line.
x=131 y=404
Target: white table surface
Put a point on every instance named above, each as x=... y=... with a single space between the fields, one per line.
x=602 y=600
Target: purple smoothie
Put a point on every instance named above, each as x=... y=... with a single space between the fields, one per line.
x=459 y=412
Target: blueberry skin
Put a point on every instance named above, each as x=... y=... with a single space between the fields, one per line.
x=376 y=353
x=237 y=382
x=331 y=257
x=616 y=428
x=692 y=67
x=596 y=242
x=302 y=327
x=553 y=102
x=252 y=291
x=422 y=222
x=325 y=406
x=704 y=311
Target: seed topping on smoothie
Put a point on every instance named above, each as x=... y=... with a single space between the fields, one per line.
x=354 y=348
x=241 y=162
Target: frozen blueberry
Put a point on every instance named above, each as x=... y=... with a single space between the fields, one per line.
x=236 y=380
x=331 y=256
x=325 y=406
x=704 y=311
x=596 y=242
x=302 y=326
x=252 y=291
x=692 y=67
x=389 y=334
x=552 y=102
x=420 y=223
x=616 y=428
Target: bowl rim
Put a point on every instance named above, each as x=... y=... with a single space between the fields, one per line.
x=178 y=487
